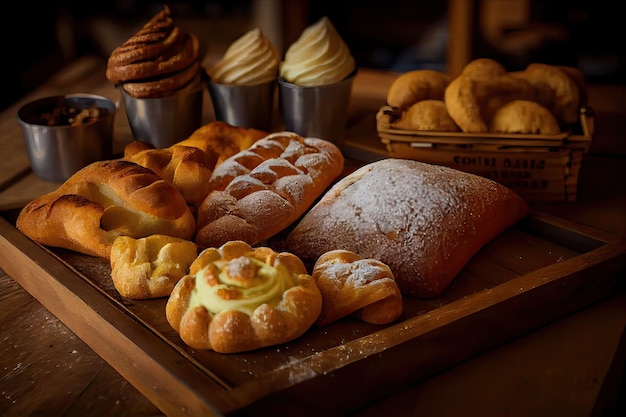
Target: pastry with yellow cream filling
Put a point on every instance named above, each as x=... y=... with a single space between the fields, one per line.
x=238 y=298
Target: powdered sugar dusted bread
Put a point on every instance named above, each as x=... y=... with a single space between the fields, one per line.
x=424 y=221
x=351 y=285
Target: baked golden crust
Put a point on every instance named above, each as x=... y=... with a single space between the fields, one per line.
x=220 y=140
x=431 y=115
x=524 y=116
x=262 y=190
x=424 y=221
x=149 y=267
x=413 y=86
x=351 y=285
x=472 y=101
x=556 y=90
x=238 y=298
x=102 y=201
x=189 y=164
x=187 y=168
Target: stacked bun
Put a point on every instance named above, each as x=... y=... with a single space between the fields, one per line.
x=546 y=99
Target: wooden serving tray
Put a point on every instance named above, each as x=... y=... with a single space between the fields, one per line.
x=536 y=272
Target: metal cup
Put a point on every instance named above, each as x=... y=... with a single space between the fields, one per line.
x=320 y=112
x=163 y=121
x=57 y=152
x=249 y=106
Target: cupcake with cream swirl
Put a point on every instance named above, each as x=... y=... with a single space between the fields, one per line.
x=319 y=57
x=315 y=83
x=250 y=60
x=243 y=81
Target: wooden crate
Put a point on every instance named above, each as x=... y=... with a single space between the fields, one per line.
x=538 y=167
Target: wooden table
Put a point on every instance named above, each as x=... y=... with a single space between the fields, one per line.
x=571 y=367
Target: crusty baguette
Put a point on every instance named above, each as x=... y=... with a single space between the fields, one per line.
x=351 y=285
x=260 y=191
x=238 y=298
x=102 y=201
x=424 y=221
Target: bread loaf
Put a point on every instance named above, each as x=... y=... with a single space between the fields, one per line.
x=238 y=298
x=262 y=190
x=424 y=221
x=102 y=201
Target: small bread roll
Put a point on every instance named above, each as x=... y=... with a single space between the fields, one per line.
x=150 y=267
x=427 y=115
x=483 y=69
x=524 y=116
x=472 y=102
x=556 y=90
x=417 y=85
x=351 y=285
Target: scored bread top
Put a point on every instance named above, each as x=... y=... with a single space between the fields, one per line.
x=262 y=190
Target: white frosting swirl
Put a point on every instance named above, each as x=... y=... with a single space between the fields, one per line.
x=241 y=284
x=319 y=57
x=250 y=60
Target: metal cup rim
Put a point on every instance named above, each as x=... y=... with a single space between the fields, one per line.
x=285 y=83
x=33 y=105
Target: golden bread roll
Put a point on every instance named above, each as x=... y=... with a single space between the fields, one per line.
x=262 y=190
x=102 y=201
x=238 y=298
x=424 y=221
x=555 y=89
x=427 y=115
x=220 y=140
x=149 y=267
x=524 y=116
x=351 y=285
x=579 y=77
x=187 y=168
x=417 y=85
x=483 y=69
x=471 y=102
